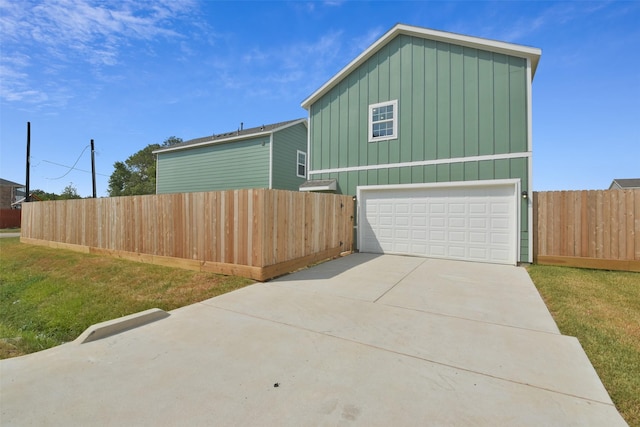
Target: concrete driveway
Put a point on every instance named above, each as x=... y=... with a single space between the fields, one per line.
x=363 y=340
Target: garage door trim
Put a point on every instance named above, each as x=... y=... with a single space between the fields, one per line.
x=513 y=183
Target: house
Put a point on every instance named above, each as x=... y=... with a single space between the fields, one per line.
x=431 y=131
x=10 y=193
x=625 y=184
x=269 y=156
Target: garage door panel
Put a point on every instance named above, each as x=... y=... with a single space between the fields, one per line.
x=401 y=234
x=437 y=236
x=437 y=222
x=457 y=236
x=418 y=249
x=418 y=208
x=475 y=237
x=386 y=233
x=437 y=251
x=419 y=221
x=457 y=222
x=478 y=208
x=473 y=223
x=497 y=238
x=437 y=208
x=499 y=208
x=401 y=221
x=477 y=253
x=402 y=208
x=500 y=223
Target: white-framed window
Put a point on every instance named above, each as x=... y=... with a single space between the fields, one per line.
x=383 y=121
x=301 y=170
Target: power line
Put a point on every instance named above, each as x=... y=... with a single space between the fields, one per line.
x=72 y=167
x=65 y=166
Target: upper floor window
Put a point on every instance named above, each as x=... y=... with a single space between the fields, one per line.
x=302 y=164
x=383 y=121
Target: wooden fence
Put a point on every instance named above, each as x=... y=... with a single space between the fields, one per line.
x=253 y=233
x=9 y=218
x=592 y=229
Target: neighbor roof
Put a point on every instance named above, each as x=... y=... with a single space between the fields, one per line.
x=520 y=51
x=232 y=136
x=625 y=183
x=7 y=183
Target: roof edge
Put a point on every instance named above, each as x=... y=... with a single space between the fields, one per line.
x=231 y=138
x=511 y=49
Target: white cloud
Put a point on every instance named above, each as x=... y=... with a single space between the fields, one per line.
x=64 y=34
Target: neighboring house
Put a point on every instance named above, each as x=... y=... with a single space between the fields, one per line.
x=432 y=132
x=625 y=184
x=270 y=156
x=10 y=193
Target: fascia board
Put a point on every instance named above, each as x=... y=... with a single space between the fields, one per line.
x=474 y=42
x=288 y=125
x=232 y=139
x=217 y=142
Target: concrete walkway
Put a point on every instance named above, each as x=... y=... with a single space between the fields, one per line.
x=9 y=235
x=363 y=340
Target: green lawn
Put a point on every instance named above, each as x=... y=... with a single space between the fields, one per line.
x=601 y=309
x=50 y=296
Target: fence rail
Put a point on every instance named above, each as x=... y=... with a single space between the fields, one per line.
x=254 y=233
x=595 y=229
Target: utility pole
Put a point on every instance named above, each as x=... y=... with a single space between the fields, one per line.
x=93 y=168
x=27 y=195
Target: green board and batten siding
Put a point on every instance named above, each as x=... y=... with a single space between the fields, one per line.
x=286 y=144
x=453 y=102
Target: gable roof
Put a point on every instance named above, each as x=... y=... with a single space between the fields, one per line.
x=233 y=136
x=519 y=51
x=7 y=183
x=625 y=183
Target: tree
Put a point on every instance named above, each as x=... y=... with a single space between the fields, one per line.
x=43 y=195
x=69 y=192
x=137 y=174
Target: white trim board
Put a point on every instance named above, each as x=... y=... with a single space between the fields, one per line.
x=271 y=161
x=425 y=163
x=530 y=159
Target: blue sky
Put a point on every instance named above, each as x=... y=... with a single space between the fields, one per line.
x=132 y=73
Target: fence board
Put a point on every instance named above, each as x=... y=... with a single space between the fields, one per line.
x=253 y=232
x=10 y=218
x=600 y=228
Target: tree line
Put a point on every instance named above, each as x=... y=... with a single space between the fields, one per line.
x=137 y=174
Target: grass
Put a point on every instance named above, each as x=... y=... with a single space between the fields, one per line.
x=601 y=309
x=9 y=230
x=50 y=296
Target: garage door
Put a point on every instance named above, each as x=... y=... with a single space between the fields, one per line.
x=476 y=223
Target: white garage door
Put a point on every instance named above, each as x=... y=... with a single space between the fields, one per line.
x=473 y=223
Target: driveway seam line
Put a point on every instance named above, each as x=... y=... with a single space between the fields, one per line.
x=475 y=320
x=412 y=356
x=400 y=280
